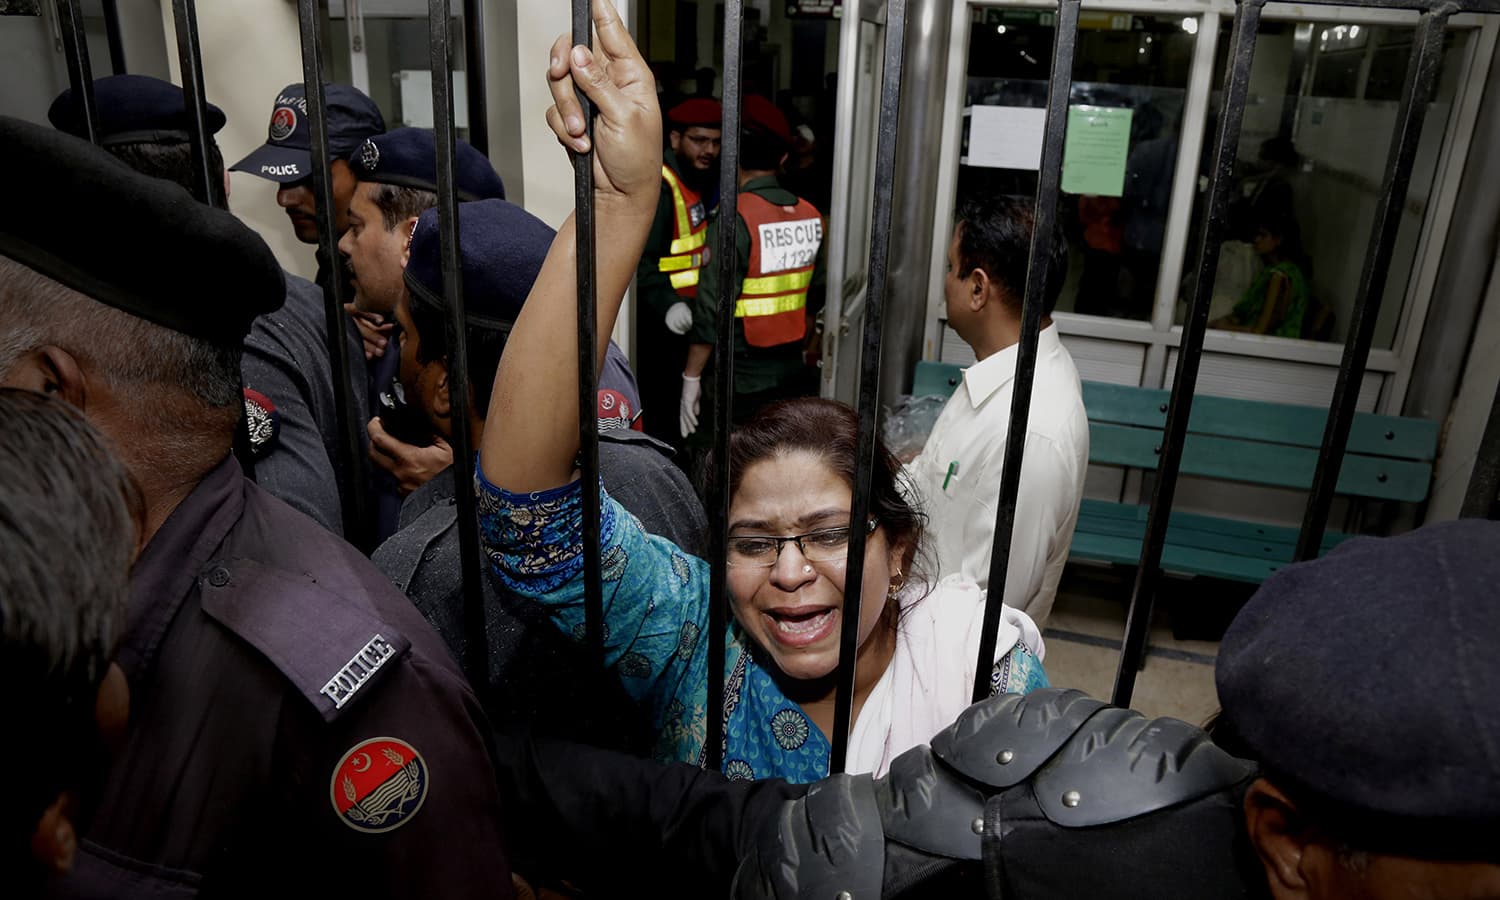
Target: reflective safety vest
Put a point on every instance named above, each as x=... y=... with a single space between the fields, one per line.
x=784 y=242
x=689 y=231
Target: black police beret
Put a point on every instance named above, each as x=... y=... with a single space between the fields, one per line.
x=133 y=109
x=408 y=157
x=286 y=156
x=139 y=244
x=501 y=250
x=1369 y=680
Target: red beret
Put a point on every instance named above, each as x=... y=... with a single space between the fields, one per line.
x=701 y=111
x=761 y=114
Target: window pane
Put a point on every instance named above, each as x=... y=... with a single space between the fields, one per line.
x=1318 y=126
x=1130 y=77
x=398 y=60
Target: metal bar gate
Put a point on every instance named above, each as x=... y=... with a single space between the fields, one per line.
x=1421 y=75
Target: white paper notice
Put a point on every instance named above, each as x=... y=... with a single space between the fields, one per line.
x=1005 y=137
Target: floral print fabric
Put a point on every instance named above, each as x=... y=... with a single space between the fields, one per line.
x=656 y=609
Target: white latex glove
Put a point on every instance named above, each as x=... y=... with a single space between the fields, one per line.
x=687 y=413
x=679 y=318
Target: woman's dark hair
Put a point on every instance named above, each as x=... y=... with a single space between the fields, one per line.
x=830 y=430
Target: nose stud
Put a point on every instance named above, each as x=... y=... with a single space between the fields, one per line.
x=807 y=570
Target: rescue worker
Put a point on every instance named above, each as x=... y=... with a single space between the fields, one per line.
x=286 y=159
x=667 y=279
x=779 y=239
x=295 y=721
x=70 y=519
x=288 y=378
x=538 y=677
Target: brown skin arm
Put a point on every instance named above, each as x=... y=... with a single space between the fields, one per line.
x=697 y=359
x=538 y=378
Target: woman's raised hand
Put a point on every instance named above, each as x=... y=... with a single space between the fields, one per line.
x=627 y=122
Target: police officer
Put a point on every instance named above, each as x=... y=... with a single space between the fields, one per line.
x=396 y=181
x=69 y=522
x=779 y=239
x=538 y=677
x=286 y=158
x=295 y=722
x=667 y=279
x=289 y=396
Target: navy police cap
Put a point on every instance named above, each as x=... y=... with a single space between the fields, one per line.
x=286 y=156
x=408 y=157
x=133 y=109
x=140 y=244
x=501 y=250
x=1365 y=683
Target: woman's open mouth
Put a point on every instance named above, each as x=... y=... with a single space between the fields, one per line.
x=801 y=626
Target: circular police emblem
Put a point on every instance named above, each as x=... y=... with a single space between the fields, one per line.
x=369 y=155
x=379 y=785
x=283 y=123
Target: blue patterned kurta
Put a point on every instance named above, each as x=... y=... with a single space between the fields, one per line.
x=655 y=610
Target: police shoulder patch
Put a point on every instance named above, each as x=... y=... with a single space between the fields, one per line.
x=379 y=785
x=263 y=421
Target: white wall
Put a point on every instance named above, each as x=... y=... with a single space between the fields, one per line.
x=31 y=72
x=251 y=50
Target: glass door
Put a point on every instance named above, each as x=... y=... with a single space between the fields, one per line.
x=861 y=66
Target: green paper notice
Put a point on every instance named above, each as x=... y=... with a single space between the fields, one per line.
x=1096 y=149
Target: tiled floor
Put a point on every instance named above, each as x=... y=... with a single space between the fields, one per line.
x=1083 y=638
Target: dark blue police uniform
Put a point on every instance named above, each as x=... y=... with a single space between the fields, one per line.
x=286 y=369
x=296 y=726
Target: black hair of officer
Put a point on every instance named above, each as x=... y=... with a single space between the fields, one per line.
x=765 y=136
x=70 y=518
x=143 y=122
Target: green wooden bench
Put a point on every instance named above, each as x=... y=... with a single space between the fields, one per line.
x=1247 y=441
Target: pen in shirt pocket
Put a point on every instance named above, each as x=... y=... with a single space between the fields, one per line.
x=952 y=470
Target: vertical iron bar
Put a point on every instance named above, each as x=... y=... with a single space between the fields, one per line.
x=80 y=73
x=479 y=121
x=476 y=652
x=351 y=492
x=1482 y=499
x=869 y=374
x=1044 y=222
x=726 y=257
x=1190 y=352
x=112 y=34
x=1421 y=75
x=210 y=189
x=588 y=349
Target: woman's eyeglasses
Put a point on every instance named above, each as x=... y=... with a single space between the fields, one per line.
x=762 y=551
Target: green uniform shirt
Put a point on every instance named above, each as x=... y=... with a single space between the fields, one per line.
x=755 y=368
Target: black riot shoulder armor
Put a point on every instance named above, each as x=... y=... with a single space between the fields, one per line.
x=1051 y=794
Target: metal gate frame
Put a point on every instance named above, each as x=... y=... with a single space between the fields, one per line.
x=1425 y=59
